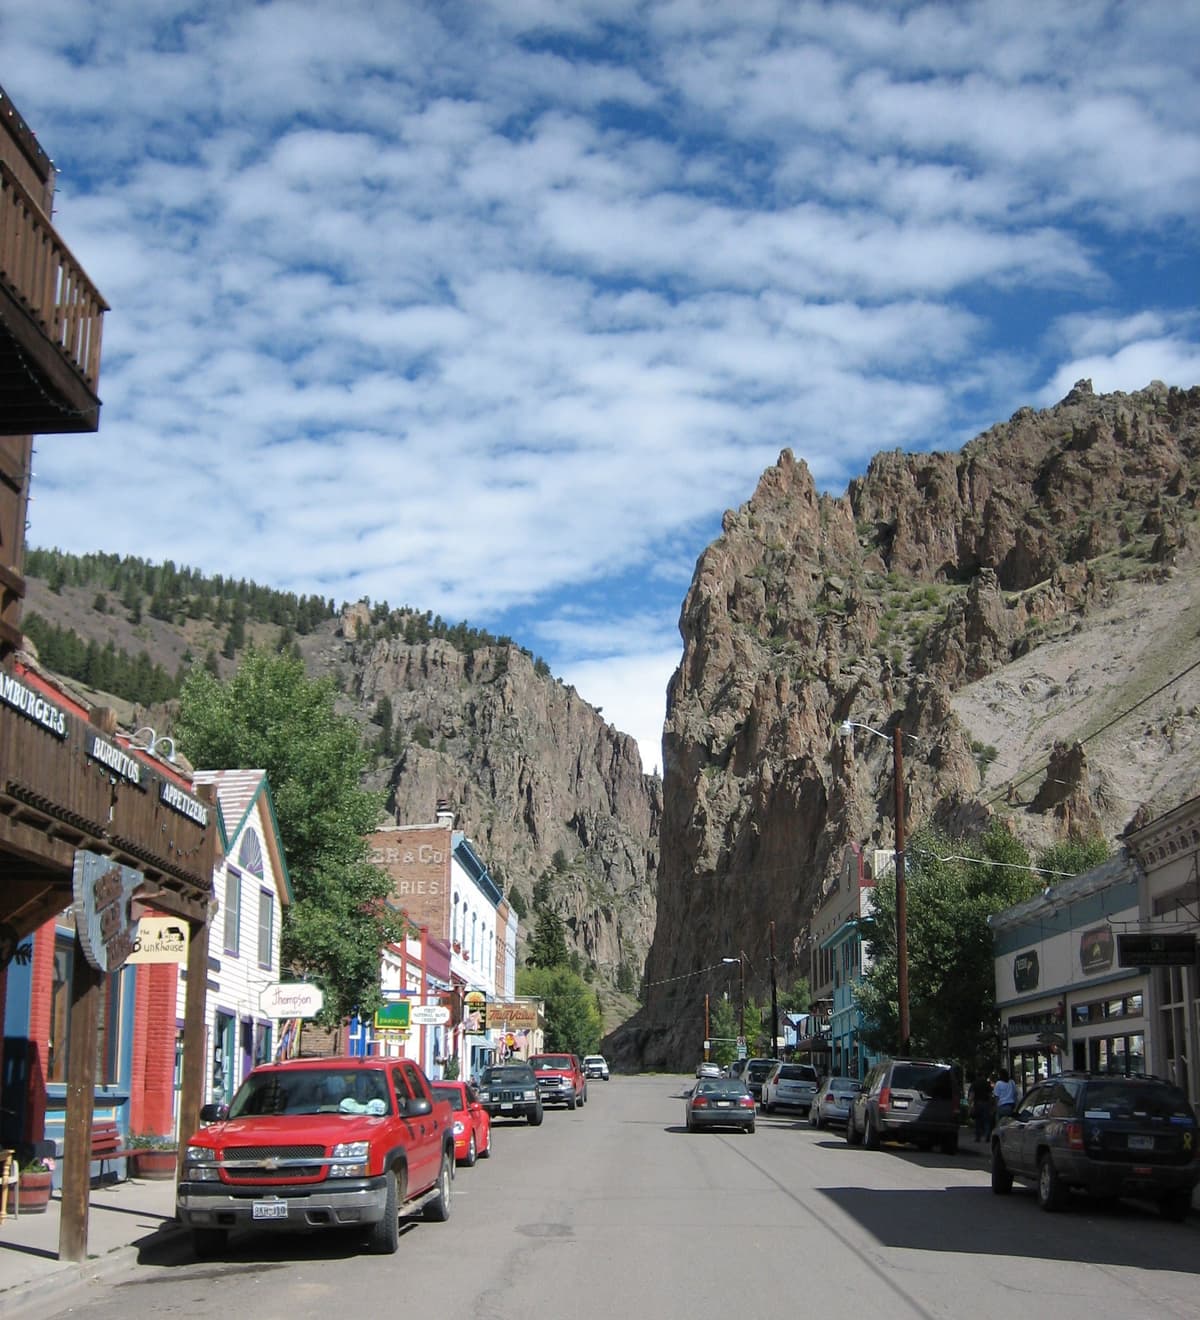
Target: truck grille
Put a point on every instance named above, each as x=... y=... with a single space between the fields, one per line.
x=273 y=1163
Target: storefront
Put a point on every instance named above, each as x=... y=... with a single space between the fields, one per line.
x=1064 y=1000
x=95 y=829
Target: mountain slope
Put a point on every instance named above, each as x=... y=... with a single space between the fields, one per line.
x=1026 y=609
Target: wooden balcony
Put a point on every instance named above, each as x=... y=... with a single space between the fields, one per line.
x=50 y=322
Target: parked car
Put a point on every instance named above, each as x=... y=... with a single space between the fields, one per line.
x=914 y=1100
x=472 y=1123
x=560 y=1079
x=755 y=1074
x=510 y=1090
x=831 y=1107
x=595 y=1065
x=707 y=1069
x=319 y=1144
x=1102 y=1134
x=719 y=1102
x=790 y=1086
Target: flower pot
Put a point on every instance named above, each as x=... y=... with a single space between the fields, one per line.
x=35 y=1191
x=153 y=1164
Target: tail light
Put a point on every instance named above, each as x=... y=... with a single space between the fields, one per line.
x=699 y=1102
x=1074 y=1133
x=885 y=1098
x=746 y=1101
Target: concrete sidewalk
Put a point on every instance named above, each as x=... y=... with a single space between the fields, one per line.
x=123 y=1218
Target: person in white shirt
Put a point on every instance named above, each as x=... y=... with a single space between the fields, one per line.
x=1005 y=1094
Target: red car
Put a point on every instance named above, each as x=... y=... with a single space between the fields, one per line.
x=472 y=1123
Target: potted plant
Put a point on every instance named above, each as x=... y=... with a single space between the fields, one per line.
x=36 y=1179
x=153 y=1156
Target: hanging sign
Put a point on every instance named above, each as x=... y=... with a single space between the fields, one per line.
x=102 y=890
x=160 y=940
x=430 y=1015
x=296 y=1000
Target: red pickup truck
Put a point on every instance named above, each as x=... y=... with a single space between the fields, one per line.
x=560 y=1079
x=320 y=1144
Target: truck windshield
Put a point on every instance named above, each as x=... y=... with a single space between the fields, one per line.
x=311 y=1091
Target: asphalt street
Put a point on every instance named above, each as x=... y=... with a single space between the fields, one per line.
x=615 y=1210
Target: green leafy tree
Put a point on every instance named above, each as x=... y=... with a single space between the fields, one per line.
x=573 y=1022
x=951 y=979
x=270 y=715
x=723 y=1030
x=548 y=947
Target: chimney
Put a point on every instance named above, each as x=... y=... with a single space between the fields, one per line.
x=445 y=817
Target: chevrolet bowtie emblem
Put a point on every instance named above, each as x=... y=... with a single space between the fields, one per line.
x=271 y=1163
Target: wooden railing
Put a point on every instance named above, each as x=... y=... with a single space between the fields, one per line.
x=40 y=270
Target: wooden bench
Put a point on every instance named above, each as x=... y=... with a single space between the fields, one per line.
x=106 y=1145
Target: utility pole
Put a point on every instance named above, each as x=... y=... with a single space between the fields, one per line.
x=774 y=998
x=901 y=892
x=742 y=998
x=706 y=1035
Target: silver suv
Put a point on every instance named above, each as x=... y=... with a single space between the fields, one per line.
x=914 y=1100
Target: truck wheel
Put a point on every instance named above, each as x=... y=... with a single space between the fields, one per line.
x=535 y=1119
x=208 y=1242
x=870 y=1132
x=438 y=1210
x=472 y=1153
x=384 y=1237
x=571 y=1103
x=1051 y=1193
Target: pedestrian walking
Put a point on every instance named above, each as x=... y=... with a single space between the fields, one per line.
x=1005 y=1092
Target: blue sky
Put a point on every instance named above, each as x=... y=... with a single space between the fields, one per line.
x=493 y=309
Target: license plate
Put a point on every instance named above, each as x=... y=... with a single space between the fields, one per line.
x=724 y=1104
x=269 y=1210
x=899 y=1104
x=1137 y=1142
x=506 y=1105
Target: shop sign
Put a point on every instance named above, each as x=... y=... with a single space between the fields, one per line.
x=1096 y=950
x=430 y=1015
x=184 y=803
x=102 y=890
x=114 y=759
x=297 y=999
x=1177 y=949
x=396 y=1016
x=30 y=703
x=160 y=940
x=512 y=1017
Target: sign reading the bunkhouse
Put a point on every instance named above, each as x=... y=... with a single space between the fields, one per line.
x=160 y=940
x=102 y=890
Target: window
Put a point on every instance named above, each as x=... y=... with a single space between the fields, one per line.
x=233 y=910
x=107 y=1020
x=266 y=927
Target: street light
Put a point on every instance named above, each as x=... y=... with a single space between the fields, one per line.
x=741 y=962
x=847 y=728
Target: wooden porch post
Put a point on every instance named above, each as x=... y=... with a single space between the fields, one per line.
x=195 y=1035
x=81 y=1094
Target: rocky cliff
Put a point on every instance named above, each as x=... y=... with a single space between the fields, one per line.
x=1026 y=610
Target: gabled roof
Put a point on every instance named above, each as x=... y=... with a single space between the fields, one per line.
x=237 y=793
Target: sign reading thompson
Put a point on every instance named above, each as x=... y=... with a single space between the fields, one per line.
x=102 y=890
x=295 y=1000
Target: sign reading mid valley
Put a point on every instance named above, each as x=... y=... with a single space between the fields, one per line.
x=295 y=1000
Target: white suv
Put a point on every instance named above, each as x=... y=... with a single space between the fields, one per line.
x=595 y=1065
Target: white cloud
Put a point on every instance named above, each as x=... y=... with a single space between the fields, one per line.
x=487 y=309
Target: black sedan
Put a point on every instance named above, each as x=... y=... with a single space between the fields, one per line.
x=1109 y=1136
x=716 y=1102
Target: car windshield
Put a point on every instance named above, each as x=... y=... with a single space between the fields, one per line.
x=509 y=1074
x=721 y=1086
x=594 y=1058
x=1119 y=1099
x=562 y=1061
x=797 y=1072
x=928 y=1078
x=842 y=1084
x=312 y=1091
x=452 y=1093
x=758 y=1069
